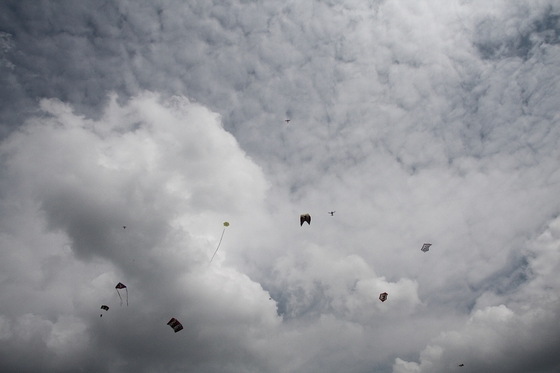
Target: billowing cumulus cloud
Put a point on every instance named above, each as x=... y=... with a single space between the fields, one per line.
x=139 y=197
x=141 y=194
x=416 y=121
x=515 y=336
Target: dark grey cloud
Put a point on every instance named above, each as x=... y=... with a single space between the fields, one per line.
x=497 y=39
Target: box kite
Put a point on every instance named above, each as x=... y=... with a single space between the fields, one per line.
x=175 y=325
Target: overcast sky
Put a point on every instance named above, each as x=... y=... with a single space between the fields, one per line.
x=417 y=121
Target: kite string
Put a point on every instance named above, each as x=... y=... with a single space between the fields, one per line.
x=119 y=296
x=219 y=243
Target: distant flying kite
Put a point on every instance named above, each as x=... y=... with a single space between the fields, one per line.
x=175 y=324
x=121 y=286
x=226 y=224
x=426 y=247
x=304 y=218
x=332 y=213
x=287 y=120
x=383 y=297
x=461 y=365
x=124 y=227
x=104 y=307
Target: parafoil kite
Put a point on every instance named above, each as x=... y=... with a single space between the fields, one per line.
x=121 y=286
x=175 y=324
x=383 y=297
x=226 y=224
x=104 y=307
x=304 y=218
x=426 y=247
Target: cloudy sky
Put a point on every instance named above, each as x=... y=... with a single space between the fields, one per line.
x=417 y=121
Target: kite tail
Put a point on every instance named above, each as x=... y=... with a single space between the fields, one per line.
x=219 y=243
x=126 y=296
x=121 y=297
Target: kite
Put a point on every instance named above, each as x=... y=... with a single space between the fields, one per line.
x=383 y=297
x=461 y=365
x=426 y=247
x=287 y=120
x=121 y=286
x=124 y=227
x=304 y=218
x=332 y=213
x=104 y=307
x=175 y=324
x=226 y=224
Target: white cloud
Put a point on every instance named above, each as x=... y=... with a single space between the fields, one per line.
x=167 y=171
x=517 y=338
x=164 y=169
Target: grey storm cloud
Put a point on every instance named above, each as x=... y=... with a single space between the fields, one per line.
x=417 y=121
